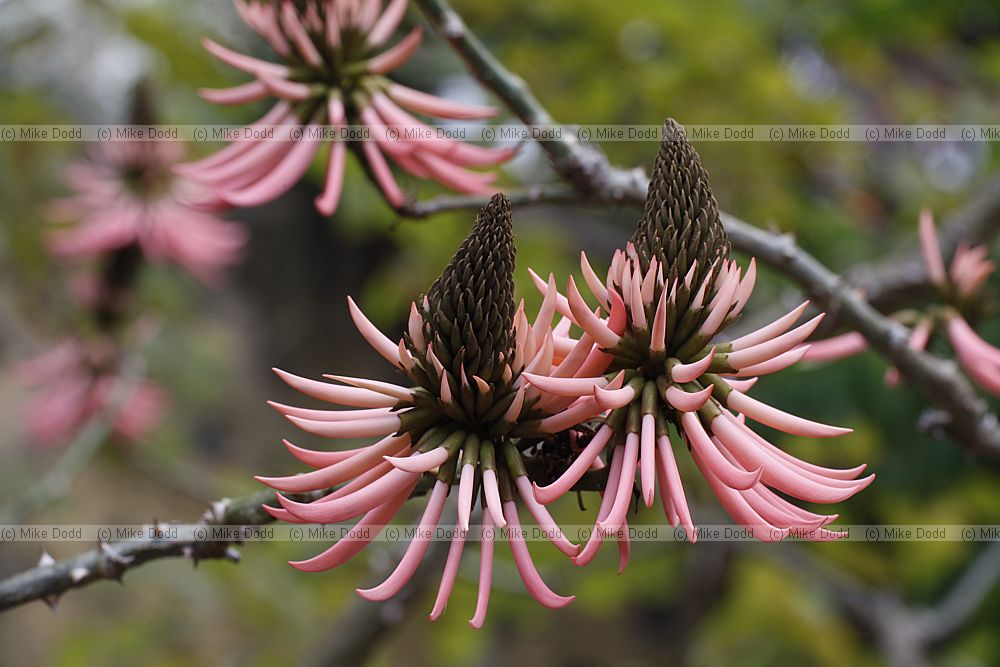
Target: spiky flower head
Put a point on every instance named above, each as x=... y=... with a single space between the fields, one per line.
x=668 y=295
x=331 y=78
x=470 y=308
x=680 y=223
x=465 y=353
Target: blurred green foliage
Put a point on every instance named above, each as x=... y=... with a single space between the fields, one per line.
x=589 y=61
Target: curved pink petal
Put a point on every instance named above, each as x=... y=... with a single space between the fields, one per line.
x=331 y=393
x=769 y=349
x=396 y=55
x=485 y=571
x=544 y=519
x=382 y=174
x=339 y=472
x=424 y=462
x=730 y=475
x=294 y=29
x=778 y=363
x=352 y=504
x=359 y=537
x=466 y=485
x=776 y=328
x=577 y=469
x=690 y=372
x=779 y=473
x=781 y=420
x=492 y=492
x=387 y=22
x=671 y=488
x=432 y=105
x=589 y=322
x=562 y=305
x=449 y=575
x=387 y=388
x=361 y=428
x=626 y=483
x=647 y=458
x=379 y=342
x=558 y=386
x=526 y=567
x=685 y=401
x=930 y=248
x=251 y=91
x=327 y=201
x=328 y=415
x=722 y=304
x=738 y=508
x=415 y=552
x=597 y=535
x=282 y=178
x=243 y=62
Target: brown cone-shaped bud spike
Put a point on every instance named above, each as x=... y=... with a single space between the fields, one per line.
x=681 y=220
x=471 y=306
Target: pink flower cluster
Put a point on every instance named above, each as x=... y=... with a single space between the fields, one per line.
x=961 y=286
x=335 y=61
x=703 y=390
x=494 y=416
x=127 y=194
x=76 y=380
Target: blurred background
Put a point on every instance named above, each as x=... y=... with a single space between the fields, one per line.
x=589 y=61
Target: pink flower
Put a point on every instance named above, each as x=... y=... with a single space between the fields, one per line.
x=128 y=195
x=836 y=347
x=969 y=267
x=333 y=76
x=961 y=285
x=668 y=295
x=77 y=380
x=465 y=352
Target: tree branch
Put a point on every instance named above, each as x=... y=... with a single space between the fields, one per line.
x=901 y=281
x=357 y=634
x=964 y=598
x=56 y=481
x=551 y=193
x=969 y=420
x=581 y=165
x=50 y=579
x=905 y=634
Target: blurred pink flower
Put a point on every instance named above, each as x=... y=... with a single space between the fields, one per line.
x=334 y=76
x=128 y=194
x=76 y=380
x=961 y=285
x=969 y=266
